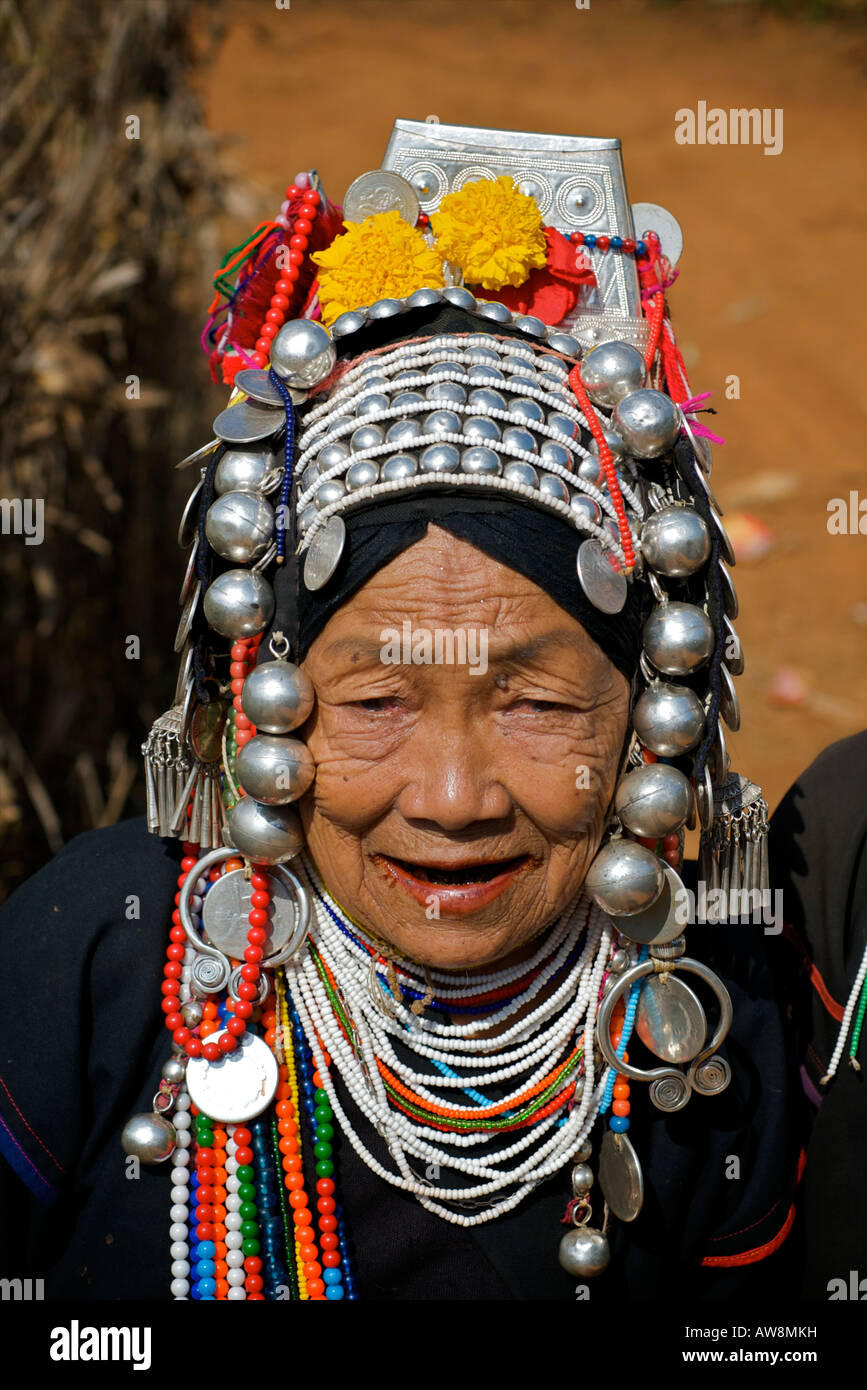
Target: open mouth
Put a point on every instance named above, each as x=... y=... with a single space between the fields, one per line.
x=481 y=871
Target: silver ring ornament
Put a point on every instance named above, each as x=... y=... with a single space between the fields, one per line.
x=671 y=1088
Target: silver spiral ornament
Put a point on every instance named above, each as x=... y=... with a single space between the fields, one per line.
x=263 y=985
x=710 y=1076
x=670 y=1092
x=210 y=973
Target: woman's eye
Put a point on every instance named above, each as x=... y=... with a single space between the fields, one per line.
x=376 y=703
x=540 y=706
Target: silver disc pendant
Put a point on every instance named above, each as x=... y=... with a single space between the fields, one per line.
x=187 y=525
x=650 y=217
x=620 y=1176
x=380 y=190
x=239 y=1086
x=605 y=586
x=670 y=1020
x=256 y=383
x=324 y=554
x=663 y=920
x=190 y=574
x=199 y=454
x=226 y=909
x=247 y=422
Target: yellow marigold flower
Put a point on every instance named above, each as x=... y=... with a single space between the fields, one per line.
x=492 y=232
x=382 y=257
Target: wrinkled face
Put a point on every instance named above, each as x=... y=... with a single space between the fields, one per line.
x=466 y=736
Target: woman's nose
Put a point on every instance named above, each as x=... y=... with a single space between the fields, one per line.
x=449 y=781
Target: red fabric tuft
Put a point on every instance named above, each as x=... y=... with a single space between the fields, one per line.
x=551 y=292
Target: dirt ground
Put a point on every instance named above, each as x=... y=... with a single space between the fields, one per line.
x=771 y=286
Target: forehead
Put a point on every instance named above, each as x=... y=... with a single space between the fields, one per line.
x=443 y=581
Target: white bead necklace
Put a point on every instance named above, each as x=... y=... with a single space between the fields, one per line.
x=448 y=1056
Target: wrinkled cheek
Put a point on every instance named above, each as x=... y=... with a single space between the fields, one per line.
x=349 y=792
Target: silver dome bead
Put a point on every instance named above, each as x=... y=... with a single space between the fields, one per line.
x=365 y=437
x=614 y=442
x=373 y=403
x=275 y=770
x=398 y=467
x=552 y=452
x=495 y=311
x=306 y=518
x=482 y=373
x=563 y=424
x=408 y=398
x=347 y=323
x=678 y=637
x=591 y=471
x=242 y=470
x=582 y=1179
x=528 y=323
x=403 y=432
x=149 y=1138
x=310 y=477
x=440 y=458
x=516 y=438
x=648 y=423
x=478 y=459
x=239 y=526
x=525 y=383
x=385 y=309
x=460 y=297
x=586 y=507
x=442 y=422
x=448 y=371
x=668 y=719
x=361 y=474
x=584 y=1252
x=518 y=472
x=421 y=299
x=527 y=408
x=302 y=353
x=329 y=492
x=624 y=878
x=565 y=343
x=611 y=371
x=552 y=486
x=192 y=1013
x=485 y=398
x=277 y=697
x=265 y=834
x=481 y=428
x=482 y=354
x=653 y=800
x=174 y=1069
x=239 y=603
x=675 y=541
x=449 y=391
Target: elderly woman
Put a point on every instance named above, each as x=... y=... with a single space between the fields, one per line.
x=455 y=646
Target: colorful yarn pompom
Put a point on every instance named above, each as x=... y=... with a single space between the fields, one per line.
x=491 y=232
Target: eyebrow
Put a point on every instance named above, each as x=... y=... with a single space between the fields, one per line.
x=515 y=652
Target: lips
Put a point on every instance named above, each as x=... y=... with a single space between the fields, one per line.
x=455 y=888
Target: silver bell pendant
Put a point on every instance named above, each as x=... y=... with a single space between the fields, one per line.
x=584 y=1252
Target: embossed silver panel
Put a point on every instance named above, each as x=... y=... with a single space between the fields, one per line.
x=577 y=181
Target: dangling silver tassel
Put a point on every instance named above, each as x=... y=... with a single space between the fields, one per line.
x=167 y=767
x=733 y=853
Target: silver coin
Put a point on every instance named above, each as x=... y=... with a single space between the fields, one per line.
x=620 y=1176
x=247 y=422
x=730 y=598
x=226 y=909
x=188 y=614
x=324 y=554
x=670 y=1020
x=199 y=454
x=239 y=1086
x=650 y=217
x=663 y=920
x=605 y=586
x=729 y=704
x=380 y=190
x=186 y=666
x=191 y=572
x=187 y=527
x=725 y=544
x=256 y=383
